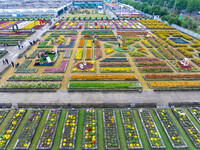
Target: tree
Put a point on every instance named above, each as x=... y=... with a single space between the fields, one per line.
x=164 y=12
x=181 y=4
x=156 y=9
x=193 y=5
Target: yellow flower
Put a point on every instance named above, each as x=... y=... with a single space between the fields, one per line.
x=25 y=144
x=70 y=144
x=64 y=144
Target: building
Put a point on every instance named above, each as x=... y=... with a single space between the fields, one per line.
x=88 y=3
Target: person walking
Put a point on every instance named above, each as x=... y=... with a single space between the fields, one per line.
x=22 y=46
x=119 y=44
x=25 y=56
x=12 y=63
x=19 y=47
x=6 y=61
x=3 y=60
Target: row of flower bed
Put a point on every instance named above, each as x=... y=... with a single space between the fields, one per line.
x=49 y=130
x=35 y=78
x=88 y=54
x=103 y=78
x=23 y=68
x=61 y=69
x=12 y=125
x=110 y=129
x=3 y=114
x=131 y=131
x=152 y=133
x=176 y=85
x=35 y=53
x=30 y=85
x=166 y=77
x=188 y=126
x=196 y=113
x=104 y=86
x=179 y=68
x=69 y=130
x=90 y=130
x=94 y=24
x=170 y=129
x=28 y=132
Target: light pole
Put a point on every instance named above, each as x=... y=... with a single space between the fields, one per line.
x=174 y=6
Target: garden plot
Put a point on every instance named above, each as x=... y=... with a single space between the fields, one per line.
x=131 y=131
x=11 y=127
x=90 y=130
x=170 y=129
x=69 y=131
x=152 y=133
x=49 y=130
x=188 y=126
x=196 y=113
x=110 y=130
x=3 y=114
x=25 y=139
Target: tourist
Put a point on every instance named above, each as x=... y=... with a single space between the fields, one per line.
x=6 y=61
x=25 y=56
x=22 y=46
x=3 y=60
x=19 y=43
x=16 y=65
x=19 y=47
x=12 y=63
x=38 y=55
x=119 y=44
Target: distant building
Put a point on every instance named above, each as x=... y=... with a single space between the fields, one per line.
x=88 y=3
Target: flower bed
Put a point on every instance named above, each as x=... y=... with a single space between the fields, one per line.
x=114 y=60
x=170 y=129
x=118 y=55
x=196 y=61
x=138 y=59
x=156 y=53
x=110 y=130
x=90 y=66
x=172 y=77
x=109 y=50
x=170 y=85
x=49 y=130
x=89 y=44
x=152 y=133
x=23 y=68
x=69 y=130
x=98 y=53
x=115 y=64
x=104 y=86
x=97 y=44
x=185 y=52
x=196 y=113
x=136 y=54
x=28 y=132
x=179 y=68
x=61 y=69
x=151 y=69
x=67 y=53
x=81 y=43
x=146 y=43
x=116 y=69
x=103 y=78
x=12 y=125
x=131 y=131
x=44 y=45
x=35 y=78
x=151 y=63
x=3 y=114
x=90 y=130
x=188 y=126
x=30 y=85
x=34 y=54
x=154 y=24
x=88 y=54
x=79 y=54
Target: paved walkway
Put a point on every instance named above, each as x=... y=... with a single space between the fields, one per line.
x=13 y=51
x=148 y=96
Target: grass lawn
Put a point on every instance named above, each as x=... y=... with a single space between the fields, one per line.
x=79 y=133
x=121 y=134
x=100 y=126
x=56 y=142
